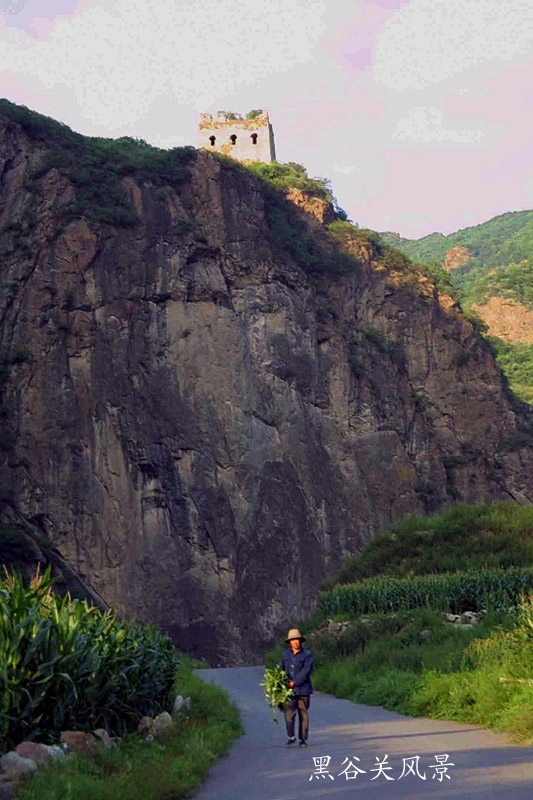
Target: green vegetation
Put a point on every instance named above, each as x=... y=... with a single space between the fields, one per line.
x=276 y=690
x=171 y=767
x=290 y=176
x=494 y=685
x=396 y=647
x=505 y=239
x=255 y=112
x=458 y=592
x=417 y=663
x=515 y=281
x=96 y=165
x=65 y=664
x=461 y=537
x=346 y=234
x=516 y=362
x=230 y=114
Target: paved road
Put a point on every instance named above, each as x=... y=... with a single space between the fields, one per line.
x=261 y=767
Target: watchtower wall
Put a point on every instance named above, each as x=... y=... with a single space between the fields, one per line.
x=243 y=139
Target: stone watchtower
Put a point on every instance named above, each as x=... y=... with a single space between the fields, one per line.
x=243 y=139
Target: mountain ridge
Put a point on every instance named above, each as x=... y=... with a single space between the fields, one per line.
x=210 y=398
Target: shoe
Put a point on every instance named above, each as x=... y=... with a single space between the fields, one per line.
x=303 y=743
x=291 y=740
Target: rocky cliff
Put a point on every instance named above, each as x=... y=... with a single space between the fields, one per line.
x=202 y=428
x=506 y=318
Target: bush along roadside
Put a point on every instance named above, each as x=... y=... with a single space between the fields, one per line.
x=67 y=665
x=448 y=646
x=66 y=669
x=168 y=762
x=422 y=663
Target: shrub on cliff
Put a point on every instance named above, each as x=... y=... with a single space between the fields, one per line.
x=65 y=664
x=96 y=165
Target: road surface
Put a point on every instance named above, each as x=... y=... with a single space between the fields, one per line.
x=260 y=767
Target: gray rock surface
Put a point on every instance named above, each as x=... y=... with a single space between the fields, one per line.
x=6 y=790
x=15 y=766
x=199 y=430
x=180 y=704
x=33 y=750
x=162 y=723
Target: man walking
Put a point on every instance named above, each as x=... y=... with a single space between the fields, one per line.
x=298 y=664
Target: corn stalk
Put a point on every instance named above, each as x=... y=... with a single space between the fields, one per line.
x=276 y=690
x=65 y=664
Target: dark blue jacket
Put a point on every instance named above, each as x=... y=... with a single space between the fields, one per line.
x=298 y=667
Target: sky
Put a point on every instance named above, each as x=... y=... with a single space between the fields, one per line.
x=420 y=112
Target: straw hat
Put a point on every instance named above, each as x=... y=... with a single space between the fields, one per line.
x=294 y=633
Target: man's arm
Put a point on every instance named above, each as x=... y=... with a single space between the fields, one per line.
x=305 y=671
x=290 y=683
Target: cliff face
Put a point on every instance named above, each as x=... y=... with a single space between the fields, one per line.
x=456 y=257
x=507 y=319
x=202 y=430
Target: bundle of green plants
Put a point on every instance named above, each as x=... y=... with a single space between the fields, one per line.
x=461 y=591
x=276 y=690
x=65 y=664
x=171 y=766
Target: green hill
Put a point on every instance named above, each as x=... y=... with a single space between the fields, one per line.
x=497 y=262
x=502 y=240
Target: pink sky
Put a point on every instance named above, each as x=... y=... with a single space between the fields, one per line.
x=419 y=111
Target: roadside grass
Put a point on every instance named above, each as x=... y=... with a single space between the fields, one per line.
x=481 y=674
x=494 y=685
x=411 y=660
x=169 y=768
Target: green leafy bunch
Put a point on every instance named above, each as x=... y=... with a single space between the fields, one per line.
x=276 y=690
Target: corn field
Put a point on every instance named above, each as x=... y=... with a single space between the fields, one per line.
x=65 y=664
x=494 y=589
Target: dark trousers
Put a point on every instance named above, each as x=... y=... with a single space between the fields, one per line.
x=300 y=703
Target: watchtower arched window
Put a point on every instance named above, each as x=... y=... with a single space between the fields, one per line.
x=254 y=138
x=233 y=138
x=212 y=139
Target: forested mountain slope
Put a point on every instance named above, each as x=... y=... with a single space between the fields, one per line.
x=491 y=269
